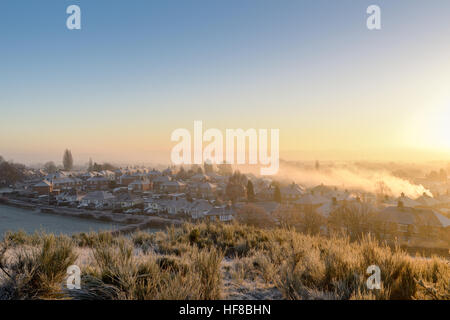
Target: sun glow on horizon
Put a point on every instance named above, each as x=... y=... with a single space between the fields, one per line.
x=430 y=129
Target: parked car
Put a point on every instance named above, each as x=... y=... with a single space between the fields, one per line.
x=133 y=211
x=82 y=206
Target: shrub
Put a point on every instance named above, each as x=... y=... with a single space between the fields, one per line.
x=186 y=263
x=93 y=239
x=38 y=273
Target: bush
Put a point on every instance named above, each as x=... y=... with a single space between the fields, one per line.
x=206 y=260
x=38 y=273
x=119 y=274
x=93 y=239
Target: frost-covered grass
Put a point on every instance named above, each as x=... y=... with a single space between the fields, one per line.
x=214 y=261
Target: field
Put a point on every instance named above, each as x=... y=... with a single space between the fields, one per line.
x=214 y=261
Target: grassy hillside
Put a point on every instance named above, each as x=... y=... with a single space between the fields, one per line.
x=214 y=261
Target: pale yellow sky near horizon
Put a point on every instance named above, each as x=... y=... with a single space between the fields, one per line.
x=334 y=89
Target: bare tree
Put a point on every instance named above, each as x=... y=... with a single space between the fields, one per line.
x=255 y=216
x=353 y=218
x=50 y=167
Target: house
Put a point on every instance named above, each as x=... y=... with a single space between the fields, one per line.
x=71 y=196
x=172 y=186
x=66 y=183
x=98 y=198
x=214 y=177
x=56 y=175
x=198 y=208
x=269 y=207
x=192 y=187
x=405 y=202
x=326 y=209
x=97 y=183
x=355 y=206
x=127 y=200
x=206 y=190
x=412 y=221
x=221 y=213
x=126 y=179
x=323 y=190
x=111 y=176
x=88 y=175
x=428 y=201
x=200 y=177
x=342 y=196
x=118 y=173
x=167 y=172
x=118 y=190
x=155 y=205
x=310 y=202
x=176 y=206
x=159 y=181
x=266 y=193
x=153 y=174
x=43 y=188
x=291 y=192
x=140 y=186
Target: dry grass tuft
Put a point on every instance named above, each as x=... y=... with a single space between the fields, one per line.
x=216 y=261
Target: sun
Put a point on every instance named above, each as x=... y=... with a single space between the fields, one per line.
x=439 y=130
x=429 y=129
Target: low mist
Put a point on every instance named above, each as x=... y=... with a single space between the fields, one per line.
x=352 y=178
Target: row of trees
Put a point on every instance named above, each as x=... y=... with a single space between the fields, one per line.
x=239 y=186
x=50 y=166
x=187 y=174
x=94 y=166
x=355 y=220
x=67 y=162
x=10 y=173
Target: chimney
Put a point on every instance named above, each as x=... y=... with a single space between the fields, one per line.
x=403 y=195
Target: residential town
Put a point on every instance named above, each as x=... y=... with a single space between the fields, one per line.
x=217 y=193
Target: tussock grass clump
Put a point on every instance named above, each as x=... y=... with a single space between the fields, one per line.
x=206 y=266
x=337 y=268
x=232 y=239
x=20 y=238
x=214 y=261
x=92 y=239
x=121 y=274
x=144 y=240
x=314 y=267
x=37 y=272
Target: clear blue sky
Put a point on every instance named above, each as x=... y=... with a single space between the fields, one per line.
x=139 y=69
